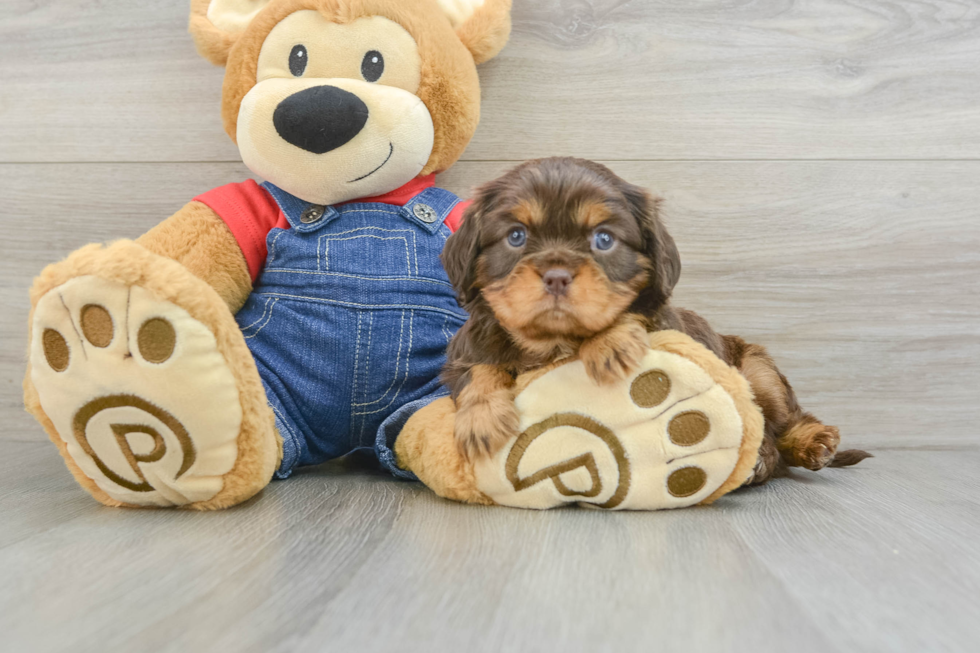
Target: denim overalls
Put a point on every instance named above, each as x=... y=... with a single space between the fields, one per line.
x=349 y=323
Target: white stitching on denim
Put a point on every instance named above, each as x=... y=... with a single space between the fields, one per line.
x=375 y=236
x=410 y=233
x=326 y=256
x=289 y=430
x=445 y=232
x=357 y=276
x=408 y=261
x=362 y=394
x=370 y=307
x=272 y=247
x=265 y=309
x=360 y=229
x=415 y=254
x=408 y=360
x=445 y=330
x=361 y=210
x=398 y=364
x=367 y=373
x=367 y=366
x=357 y=368
x=269 y=306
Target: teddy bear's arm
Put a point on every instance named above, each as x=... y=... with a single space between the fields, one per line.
x=201 y=241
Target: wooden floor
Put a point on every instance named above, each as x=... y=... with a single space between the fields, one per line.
x=820 y=162
x=879 y=558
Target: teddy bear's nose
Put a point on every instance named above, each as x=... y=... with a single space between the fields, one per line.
x=320 y=119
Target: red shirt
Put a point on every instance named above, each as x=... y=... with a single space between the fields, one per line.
x=251 y=213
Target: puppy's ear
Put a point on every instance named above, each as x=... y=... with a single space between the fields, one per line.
x=462 y=251
x=482 y=25
x=217 y=24
x=658 y=246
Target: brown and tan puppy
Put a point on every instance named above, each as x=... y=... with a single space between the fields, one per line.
x=560 y=258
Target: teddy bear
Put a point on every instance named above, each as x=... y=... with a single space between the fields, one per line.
x=267 y=327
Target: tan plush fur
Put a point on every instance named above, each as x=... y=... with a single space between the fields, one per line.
x=212 y=43
x=193 y=261
x=427 y=447
x=33 y=404
x=199 y=240
x=486 y=32
x=450 y=86
x=125 y=262
x=736 y=386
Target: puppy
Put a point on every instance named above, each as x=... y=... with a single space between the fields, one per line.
x=560 y=257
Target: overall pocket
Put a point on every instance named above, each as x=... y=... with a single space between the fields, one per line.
x=377 y=251
x=382 y=366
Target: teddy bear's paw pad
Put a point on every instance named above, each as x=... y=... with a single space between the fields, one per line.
x=667 y=437
x=137 y=389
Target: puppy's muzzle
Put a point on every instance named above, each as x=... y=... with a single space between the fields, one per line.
x=556 y=281
x=320 y=119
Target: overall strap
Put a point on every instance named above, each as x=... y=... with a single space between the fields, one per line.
x=302 y=216
x=430 y=208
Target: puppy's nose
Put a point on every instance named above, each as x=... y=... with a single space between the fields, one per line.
x=320 y=119
x=557 y=281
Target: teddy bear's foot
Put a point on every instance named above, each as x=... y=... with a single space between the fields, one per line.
x=140 y=395
x=681 y=430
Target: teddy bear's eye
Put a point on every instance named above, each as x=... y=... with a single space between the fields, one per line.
x=297 y=60
x=373 y=66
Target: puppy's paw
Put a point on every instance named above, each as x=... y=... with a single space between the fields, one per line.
x=812 y=446
x=768 y=464
x=615 y=353
x=484 y=425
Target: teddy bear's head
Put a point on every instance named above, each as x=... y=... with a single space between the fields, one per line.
x=334 y=100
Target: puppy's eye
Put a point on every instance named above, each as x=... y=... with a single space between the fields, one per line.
x=603 y=241
x=517 y=237
x=373 y=66
x=297 y=60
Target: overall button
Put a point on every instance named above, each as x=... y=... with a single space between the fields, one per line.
x=312 y=214
x=425 y=213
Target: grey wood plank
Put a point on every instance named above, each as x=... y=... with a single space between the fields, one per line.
x=861 y=277
x=796 y=565
x=569 y=580
x=37 y=493
x=875 y=558
x=606 y=79
x=151 y=571
x=129 y=77
x=865 y=551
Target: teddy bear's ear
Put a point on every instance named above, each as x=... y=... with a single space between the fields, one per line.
x=217 y=24
x=482 y=25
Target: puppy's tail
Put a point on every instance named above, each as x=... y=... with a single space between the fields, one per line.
x=849 y=457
